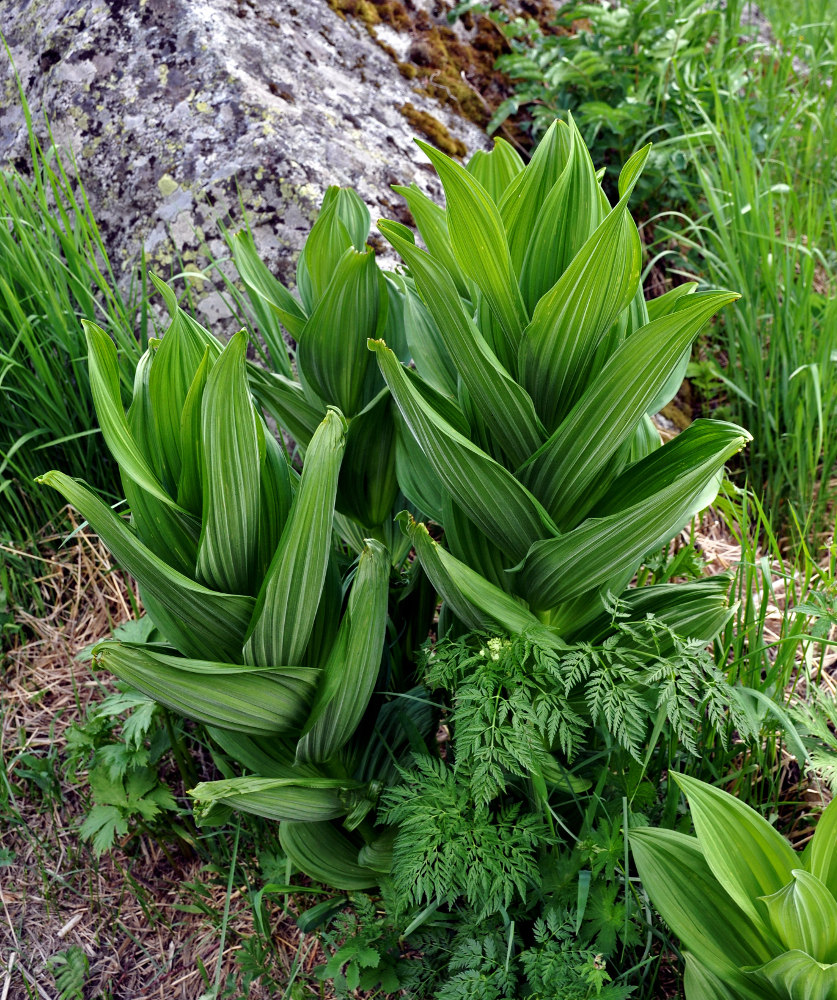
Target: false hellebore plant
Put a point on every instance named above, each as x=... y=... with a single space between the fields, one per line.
x=516 y=453
x=757 y=920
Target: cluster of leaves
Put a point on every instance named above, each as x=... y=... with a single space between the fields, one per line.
x=119 y=748
x=626 y=72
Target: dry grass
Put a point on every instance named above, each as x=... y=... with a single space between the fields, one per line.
x=126 y=910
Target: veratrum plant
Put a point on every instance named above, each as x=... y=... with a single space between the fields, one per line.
x=757 y=920
x=525 y=430
x=273 y=635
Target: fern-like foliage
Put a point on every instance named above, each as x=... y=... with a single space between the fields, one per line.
x=450 y=846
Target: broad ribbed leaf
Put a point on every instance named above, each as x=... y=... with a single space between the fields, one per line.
x=268 y=756
x=327 y=621
x=306 y=800
x=496 y=169
x=696 y=610
x=476 y=602
x=107 y=398
x=686 y=893
x=173 y=371
x=747 y=856
x=351 y=670
x=465 y=541
x=797 y=976
x=286 y=401
x=190 y=483
x=352 y=212
x=646 y=507
x=560 y=347
x=803 y=915
x=418 y=482
x=368 y=485
x=563 y=472
x=432 y=224
x=326 y=855
x=479 y=244
x=426 y=342
x=201 y=623
x=523 y=201
x=505 y=407
x=488 y=493
x=248 y=700
x=700 y=983
x=571 y=213
x=228 y=551
x=141 y=418
x=272 y=303
x=275 y=497
x=288 y=600
x=332 y=353
x=666 y=303
x=168 y=533
x=821 y=854
x=327 y=242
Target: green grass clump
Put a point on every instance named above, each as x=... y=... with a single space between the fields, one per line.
x=54 y=272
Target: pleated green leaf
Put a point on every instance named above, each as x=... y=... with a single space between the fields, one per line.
x=248 y=700
x=327 y=620
x=190 y=483
x=700 y=983
x=496 y=169
x=470 y=545
x=418 y=482
x=571 y=213
x=646 y=506
x=168 y=533
x=564 y=471
x=287 y=402
x=425 y=341
x=489 y=494
x=287 y=603
x=107 y=398
x=228 y=550
x=797 y=976
x=821 y=855
x=272 y=303
x=696 y=907
x=478 y=239
x=327 y=242
x=351 y=670
x=747 y=856
x=476 y=602
x=325 y=854
x=666 y=303
x=696 y=610
x=352 y=212
x=141 y=419
x=803 y=915
x=432 y=224
x=368 y=485
x=504 y=405
x=331 y=353
x=268 y=756
x=200 y=622
x=305 y=800
x=523 y=200
x=173 y=371
x=275 y=497
x=559 y=348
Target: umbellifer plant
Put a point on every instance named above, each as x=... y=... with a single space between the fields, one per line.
x=757 y=921
x=517 y=455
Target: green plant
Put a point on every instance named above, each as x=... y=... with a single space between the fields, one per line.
x=70 y=969
x=626 y=72
x=54 y=272
x=756 y=919
x=522 y=439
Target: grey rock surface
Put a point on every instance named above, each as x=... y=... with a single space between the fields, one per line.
x=175 y=109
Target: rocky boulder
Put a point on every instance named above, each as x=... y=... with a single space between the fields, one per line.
x=180 y=113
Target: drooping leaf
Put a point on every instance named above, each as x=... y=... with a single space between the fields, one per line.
x=259 y=702
x=200 y=622
x=305 y=800
x=797 y=976
x=326 y=855
x=803 y=915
